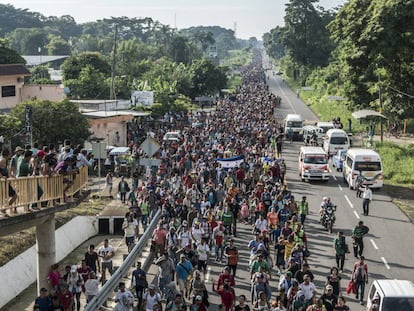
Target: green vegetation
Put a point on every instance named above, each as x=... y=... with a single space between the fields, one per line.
x=355 y=51
x=236 y=60
x=398 y=163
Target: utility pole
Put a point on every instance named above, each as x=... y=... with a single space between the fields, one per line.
x=380 y=104
x=112 y=94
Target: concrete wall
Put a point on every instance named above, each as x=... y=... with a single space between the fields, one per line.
x=107 y=127
x=50 y=92
x=20 y=273
x=10 y=102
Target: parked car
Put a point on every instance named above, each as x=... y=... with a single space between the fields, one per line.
x=338 y=159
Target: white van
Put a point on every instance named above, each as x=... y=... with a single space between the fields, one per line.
x=313 y=164
x=335 y=139
x=294 y=126
x=366 y=162
x=394 y=295
x=325 y=126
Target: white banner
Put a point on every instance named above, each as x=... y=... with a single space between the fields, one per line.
x=145 y=98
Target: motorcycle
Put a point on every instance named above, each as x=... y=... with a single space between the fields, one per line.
x=328 y=217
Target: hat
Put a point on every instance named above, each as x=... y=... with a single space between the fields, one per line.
x=329 y=287
x=41 y=153
x=289 y=273
x=182 y=256
x=198 y=298
x=300 y=294
x=152 y=286
x=18 y=148
x=74 y=268
x=185 y=223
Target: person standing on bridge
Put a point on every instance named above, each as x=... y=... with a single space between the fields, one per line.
x=106 y=252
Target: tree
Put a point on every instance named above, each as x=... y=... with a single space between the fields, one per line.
x=55 y=121
x=73 y=66
x=65 y=25
x=10 y=56
x=40 y=75
x=58 y=46
x=207 y=79
x=272 y=42
x=305 y=35
x=89 y=85
x=27 y=41
x=12 y=18
x=375 y=41
x=9 y=126
x=180 y=50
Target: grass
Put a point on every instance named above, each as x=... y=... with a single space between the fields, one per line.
x=236 y=60
x=16 y=243
x=398 y=163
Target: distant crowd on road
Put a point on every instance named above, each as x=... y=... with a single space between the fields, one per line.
x=225 y=172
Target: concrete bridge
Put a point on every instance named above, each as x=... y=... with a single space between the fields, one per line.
x=20 y=216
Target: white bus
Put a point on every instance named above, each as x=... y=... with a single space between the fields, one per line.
x=335 y=139
x=365 y=162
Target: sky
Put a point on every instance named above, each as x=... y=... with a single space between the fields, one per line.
x=250 y=18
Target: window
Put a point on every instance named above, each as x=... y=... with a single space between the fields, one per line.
x=8 y=91
x=315 y=160
x=335 y=140
x=368 y=166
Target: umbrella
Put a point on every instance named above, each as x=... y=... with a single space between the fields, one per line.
x=119 y=151
x=367 y=115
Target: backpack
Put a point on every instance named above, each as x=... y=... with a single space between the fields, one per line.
x=360 y=273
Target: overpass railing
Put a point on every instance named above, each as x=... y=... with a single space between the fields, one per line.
x=108 y=289
x=45 y=190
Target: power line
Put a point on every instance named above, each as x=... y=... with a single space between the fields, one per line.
x=401 y=92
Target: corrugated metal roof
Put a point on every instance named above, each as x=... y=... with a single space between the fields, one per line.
x=34 y=60
x=14 y=70
x=108 y=114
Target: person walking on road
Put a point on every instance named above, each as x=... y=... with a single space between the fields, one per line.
x=358 y=235
x=360 y=278
x=341 y=249
x=366 y=199
x=303 y=210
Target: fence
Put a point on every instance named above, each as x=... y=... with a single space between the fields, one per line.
x=45 y=190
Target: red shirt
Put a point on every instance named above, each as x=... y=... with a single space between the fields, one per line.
x=54 y=277
x=159 y=236
x=227 y=298
x=65 y=299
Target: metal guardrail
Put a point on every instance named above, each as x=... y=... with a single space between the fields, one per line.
x=119 y=274
x=27 y=188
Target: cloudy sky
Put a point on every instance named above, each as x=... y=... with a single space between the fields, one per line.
x=251 y=17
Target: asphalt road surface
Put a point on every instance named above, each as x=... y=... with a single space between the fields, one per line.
x=388 y=246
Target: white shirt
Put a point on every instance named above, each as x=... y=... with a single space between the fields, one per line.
x=261 y=224
x=103 y=251
x=125 y=300
x=91 y=287
x=184 y=237
x=151 y=300
x=197 y=234
x=367 y=194
x=308 y=290
x=203 y=250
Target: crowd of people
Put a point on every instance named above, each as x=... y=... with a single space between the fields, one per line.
x=41 y=161
x=226 y=172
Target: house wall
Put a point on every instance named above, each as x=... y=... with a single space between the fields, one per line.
x=107 y=127
x=50 y=92
x=10 y=102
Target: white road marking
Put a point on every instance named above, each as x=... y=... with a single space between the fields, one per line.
x=385 y=263
x=356 y=215
x=334 y=177
x=373 y=244
x=287 y=98
x=349 y=202
x=340 y=187
x=207 y=279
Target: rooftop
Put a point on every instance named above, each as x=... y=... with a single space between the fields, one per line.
x=34 y=60
x=14 y=70
x=108 y=114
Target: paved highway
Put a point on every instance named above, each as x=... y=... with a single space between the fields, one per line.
x=388 y=246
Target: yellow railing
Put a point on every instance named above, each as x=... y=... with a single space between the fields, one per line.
x=45 y=190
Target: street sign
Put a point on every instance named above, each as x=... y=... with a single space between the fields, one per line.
x=150 y=146
x=205 y=99
x=99 y=150
x=149 y=162
x=331 y=97
x=307 y=88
